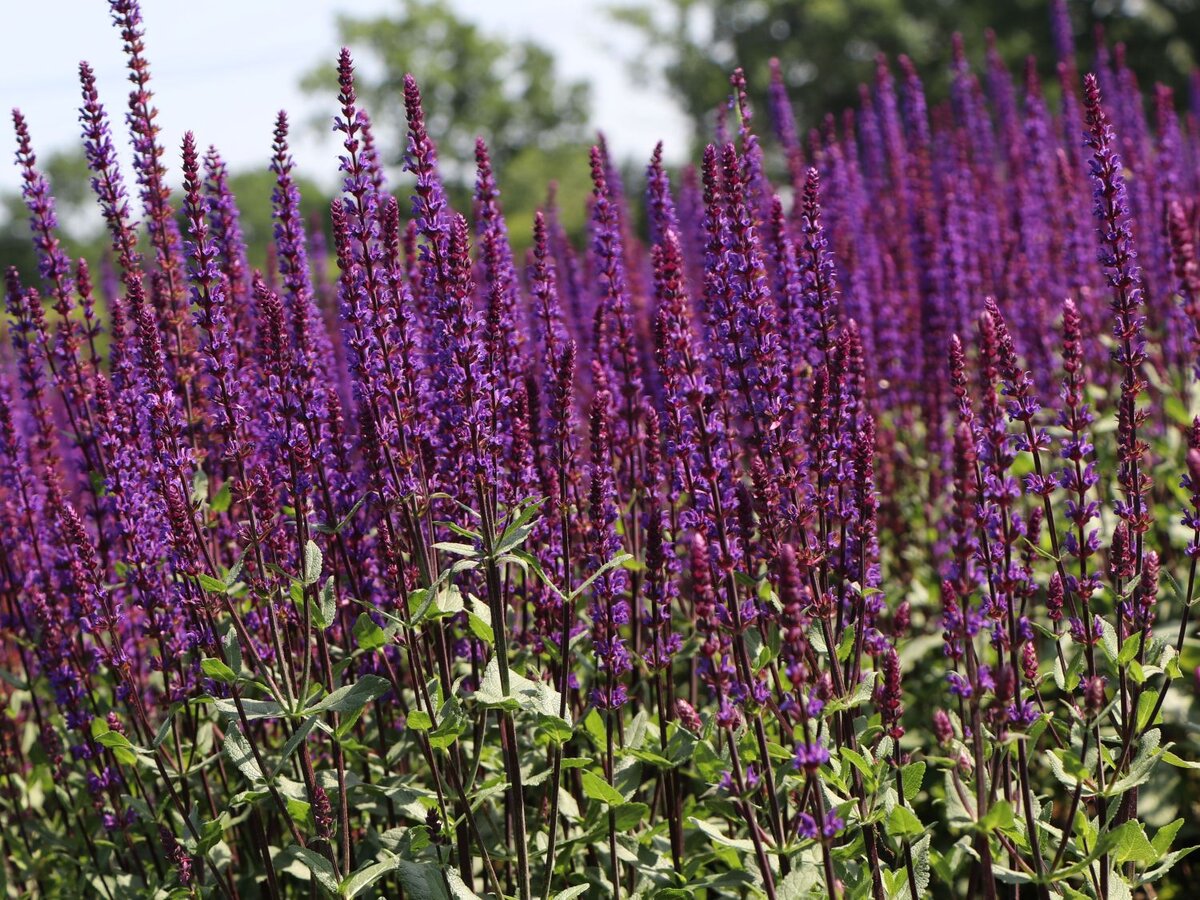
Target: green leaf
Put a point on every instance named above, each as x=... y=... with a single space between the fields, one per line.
x=321 y=869
x=479 y=620
x=346 y=723
x=538 y=697
x=1165 y=836
x=1066 y=767
x=1166 y=863
x=628 y=816
x=367 y=634
x=232 y=649
x=1068 y=680
x=452 y=724
x=958 y=813
x=1104 y=844
x=1140 y=769
x=352 y=697
x=999 y=816
x=1011 y=876
x=165 y=728
x=120 y=745
x=1134 y=846
x=419 y=720
x=237 y=751
x=593 y=724
x=427 y=881
x=214 y=668
x=912 y=776
x=438 y=603
x=467 y=551
x=210 y=834
x=680 y=743
x=902 y=823
x=1108 y=639
x=636 y=731
x=323 y=614
x=359 y=881
x=254 y=709
x=514 y=536
x=921 y=867
x=460 y=530
x=800 y=884
x=199 y=488
x=224 y=497
x=1172 y=760
x=1147 y=702
x=719 y=837
x=859 y=762
x=846 y=644
x=1136 y=672
x=596 y=788
x=212 y=585
x=312 y=563
x=299 y=810
x=859 y=695
x=1129 y=649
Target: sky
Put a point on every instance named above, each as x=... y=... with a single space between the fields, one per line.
x=223 y=68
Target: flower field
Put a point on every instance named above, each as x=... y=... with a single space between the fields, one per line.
x=824 y=523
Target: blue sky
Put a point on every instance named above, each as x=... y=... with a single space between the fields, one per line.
x=222 y=68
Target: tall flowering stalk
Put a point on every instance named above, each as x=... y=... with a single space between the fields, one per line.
x=1124 y=277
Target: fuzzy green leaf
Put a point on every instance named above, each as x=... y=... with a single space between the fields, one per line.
x=312 y=564
x=418 y=720
x=216 y=669
x=902 y=823
x=596 y=788
x=367 y=635
x=352 y=697
x=912 y=776
x=359 y=881
x=321 y=869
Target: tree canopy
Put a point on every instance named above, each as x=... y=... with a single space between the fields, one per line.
x=474 y=83
x=827 y=47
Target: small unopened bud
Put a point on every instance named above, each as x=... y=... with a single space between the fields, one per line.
x=433 y=821
x=1054 y=598
x=1120 y=553
x=1029 y=661
x=943 y=728
x=1093 y=695
x=322 y=812
x=687 y=716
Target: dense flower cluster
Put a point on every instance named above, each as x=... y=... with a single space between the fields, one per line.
x=628 y=568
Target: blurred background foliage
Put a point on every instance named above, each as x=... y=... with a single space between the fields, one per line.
x=536 y=121
x=828 y=47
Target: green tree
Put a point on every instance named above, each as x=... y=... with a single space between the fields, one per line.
x=827 y=47
x=473 y=84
